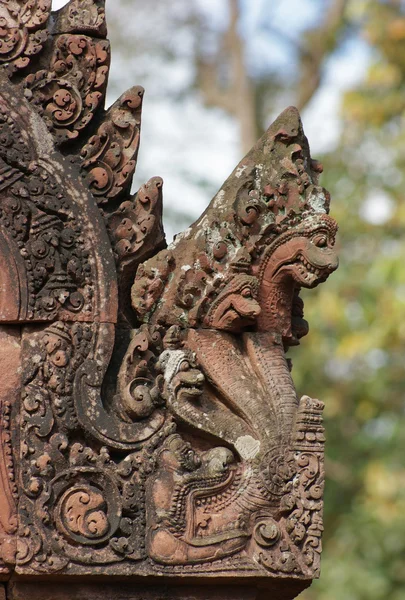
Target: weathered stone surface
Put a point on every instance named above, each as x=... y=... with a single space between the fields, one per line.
x=58 y=260
x=150 y=425
x=10 y=362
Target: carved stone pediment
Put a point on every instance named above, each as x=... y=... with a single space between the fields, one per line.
x=149 y=422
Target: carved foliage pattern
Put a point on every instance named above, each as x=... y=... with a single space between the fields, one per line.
x=8 y=480
x=68 y=93
x=22 y=30
x=136 y=226
x=38 y=217
x=80 y=505
x=297 y=543
x=68 y=483
x=110 y=155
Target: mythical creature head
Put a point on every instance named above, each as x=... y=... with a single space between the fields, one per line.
x=182 y=376
x=236 y=306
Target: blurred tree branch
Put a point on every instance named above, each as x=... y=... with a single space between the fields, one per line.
x=225 y=82
x=320 y=44
x=233 y=93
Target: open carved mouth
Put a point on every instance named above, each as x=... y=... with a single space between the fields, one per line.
x=189 y=387
x=308 y=272
x=304 y=272
x=234 y=316
x=191 y=390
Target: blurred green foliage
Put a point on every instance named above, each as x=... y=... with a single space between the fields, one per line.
x=353 y=358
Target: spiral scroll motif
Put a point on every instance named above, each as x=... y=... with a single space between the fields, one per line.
x=266 y=532
x=88 y=511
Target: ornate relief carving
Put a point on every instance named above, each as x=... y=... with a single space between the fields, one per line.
x=233 y=290
x=22 y=31
x=10 y=360
x=110 y=155
x=41 y=222
x=82 y=16
x=68 y=93
x=136 y=233
x=159 y=431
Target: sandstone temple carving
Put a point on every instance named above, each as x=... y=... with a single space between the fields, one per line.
x=150 y=428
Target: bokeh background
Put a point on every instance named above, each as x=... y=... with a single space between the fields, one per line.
x=216 y=73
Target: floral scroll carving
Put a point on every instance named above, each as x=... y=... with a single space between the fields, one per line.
x=151 y=426
x=110 y=155
x=22 y=31
x=65 y=99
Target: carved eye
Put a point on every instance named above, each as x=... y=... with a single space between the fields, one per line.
x=184 y=365
x=246 y=292
x=320 y=240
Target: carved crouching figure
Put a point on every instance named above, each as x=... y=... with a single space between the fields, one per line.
x=182 y=481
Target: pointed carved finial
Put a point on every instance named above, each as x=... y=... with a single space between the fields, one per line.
x=110 y=155
x=273 y=190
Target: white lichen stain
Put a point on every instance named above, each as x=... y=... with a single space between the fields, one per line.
x=40 y=133
x=179 y=237
x=317 y=201
x=247 y=447
x=259 y=176
x=204 y=223
x=240 y=170
x=171 y=359
x=217 y=202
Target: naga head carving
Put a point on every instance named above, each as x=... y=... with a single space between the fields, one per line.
x=236 y=306
x=179 y=455
x=209 y=464
x=304 y=254
x=266 y=229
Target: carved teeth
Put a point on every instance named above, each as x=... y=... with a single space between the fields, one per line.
x=305 y=268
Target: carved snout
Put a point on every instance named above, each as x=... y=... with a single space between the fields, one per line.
x=322 y=258
x=217 y=461
x=333 y=263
